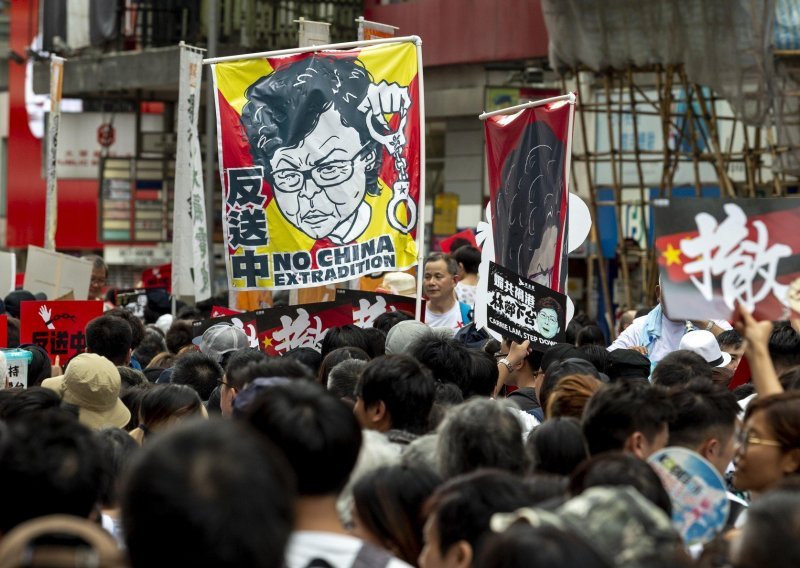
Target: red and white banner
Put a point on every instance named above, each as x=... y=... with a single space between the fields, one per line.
x=286 y=328
x=58 y=326
x=369 y=305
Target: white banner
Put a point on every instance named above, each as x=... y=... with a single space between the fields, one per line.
x=190 y=272
x=51 y=202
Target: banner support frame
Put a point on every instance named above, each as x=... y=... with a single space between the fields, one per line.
x=421 y=197
x=568 y=97
x=333 y=46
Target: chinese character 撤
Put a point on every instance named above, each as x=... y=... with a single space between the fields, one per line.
x=299 y=332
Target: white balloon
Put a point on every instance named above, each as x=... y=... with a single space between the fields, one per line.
x=580 y=222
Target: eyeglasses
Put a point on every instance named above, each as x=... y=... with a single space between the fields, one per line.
x=547 y=318
x=744 y=439
x=329 y=174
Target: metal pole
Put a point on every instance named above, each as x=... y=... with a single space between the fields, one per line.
x=211 y=140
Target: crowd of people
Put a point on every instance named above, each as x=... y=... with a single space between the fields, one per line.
x=402 y=444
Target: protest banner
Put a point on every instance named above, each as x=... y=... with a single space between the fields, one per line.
x=190 y=256
x=246 y=321
x=527 y=154
x=699 y=503
x=16 y=371
x=54 y=120
x=8 y=273
x=58 y=326
x=524 y=310
x=467 y=236
x=369 y=305
x=286 y=328
x=714 y=254
x=158 y=277
x=320 y=161
x=56 y=274
x=222 y=311
x=3 y=331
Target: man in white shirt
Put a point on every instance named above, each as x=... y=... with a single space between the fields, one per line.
x=443 y=308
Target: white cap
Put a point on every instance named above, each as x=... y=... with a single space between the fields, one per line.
x=705 y=344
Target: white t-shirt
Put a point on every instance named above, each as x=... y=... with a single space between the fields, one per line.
x=466 y=293
x=451 y=319
x=337 y=550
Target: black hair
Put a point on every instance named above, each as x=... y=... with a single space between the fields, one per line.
x=137 y=327
x=49 y=464
x=556 y=446
x=132 y=399
x=308 y=356
x=482 y=376
x=111 y=337
x=152 y=344
x=542 y=546
x=22 y=403
x=450 y=262
x=616 y=412
x=619 y=468
x=285 y=106
x=39 y=368
x=448 y=360
x=462 y=508
x=680 y=367
x=730 y=338
x=274 y=367
x=318 y=434
x=337 y=356
x=130 y=377
x=469 y=257
x=597 y=356
x=743 y=391
x=790 y=380
x=571 y=333
x=198 y=371
x=769 y=537
x=389 y=502
x=388 y=320
x=163 y=402
x=179 y=335
x=784 y=348
x=116 y=449
x=343 y=379
x=346 y=336
x=701 y=410
x=235 y=374
x=202 y=494
x=642 y=312
x=557 y=370
x=377 y=341
x=590 y=335
x=447 y=396
x=404 y=386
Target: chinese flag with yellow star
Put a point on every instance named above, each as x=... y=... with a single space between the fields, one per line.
x=291 y=327
x=713 y=254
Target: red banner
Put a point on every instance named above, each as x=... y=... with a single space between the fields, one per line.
x=158 y=277
x=527 y=154
x=369 y=305
x=221 y=312
x=286 y=328
x=3 y=331
x=58 y=326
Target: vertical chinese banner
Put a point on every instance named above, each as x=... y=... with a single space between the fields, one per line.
x=58 y=326
x=190 y=258
x=51 y=203
x=320 y=163
x=528 y=158
x=714 y=254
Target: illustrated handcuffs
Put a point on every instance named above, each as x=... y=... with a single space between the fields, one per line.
x=394 y=142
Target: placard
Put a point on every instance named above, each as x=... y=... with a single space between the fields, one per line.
x=8 y=273
x=17 y=362
x=524 y=310
x=286 y=328
x=58 y=326
x=221 y=312
x=369 y=305
x=57 y=274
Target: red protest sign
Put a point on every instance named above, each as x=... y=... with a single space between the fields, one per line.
x=58 y=326
x=158 y=277
x=220 y=311
x=369 y=305
x=286 y=328
x=465 y=235
x=3 y=331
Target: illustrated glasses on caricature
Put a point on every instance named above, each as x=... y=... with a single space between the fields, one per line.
x=329 y=174
x=548 y=318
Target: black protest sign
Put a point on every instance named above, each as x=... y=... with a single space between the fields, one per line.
x=291 y=327
x=369 y=305
x=524 y=310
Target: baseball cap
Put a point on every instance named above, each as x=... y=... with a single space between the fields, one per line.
x=221 y=338
x=705 y=344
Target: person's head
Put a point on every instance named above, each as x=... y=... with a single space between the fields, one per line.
x=49 y=464
x=152 y=345
x=733 y=344
x=116 y=448
x=179 y=335
x=590 y=335
x=559 y=370
x=99 y=276
x=343 y=379
x=480 y=433
x=556 y=446
x=202 y=494
x=221 y=339
x=482 y=376
x=306 y=131
x=459 y=514
x=440 y=277
x=198 y=371
x=39 y=367
x=22 y=403
x=598 y=356
x=447 y=359
x=317 y=433
x=388 y=508
x=549 y=317
x=570 y=395
x=337 y=356
x=626 y=319
x=784 y=348
x=770 y=535
x=394 y=392
x=704 y=421
x=164 y=406
x=308 y=356
x=137 y=327
x=769 y=445
x=627 y=416
x=377 y=341
x=110 y=337
x=468 y=259
x=680 y=367
x=388 y=320
x=235 y=379
x=619 y=468
x=626 y=365
x=161 y=361
x=130 y=377
x=345 y=336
